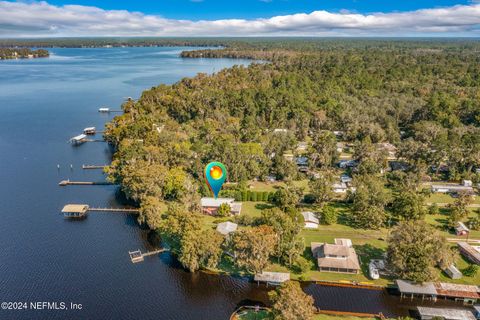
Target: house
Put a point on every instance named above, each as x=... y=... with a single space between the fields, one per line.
x=428 y=313
x=210 y=205
x=452 y=188
x=345 y=178
x=398 y=166
x=472 y=253
x=339 y=257
x=226 y=227
x=344 y=164
x=280 y=130
x=302 y=163
x=338 y=133
x=311 y=221
x=340 y=187
x=461 y=229
x=302 y=146
x=453 y=272
x=388 y=148
x=273 y=278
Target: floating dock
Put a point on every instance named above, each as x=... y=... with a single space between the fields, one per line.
x=67 y=182
x=138 y=256
x=81 y=138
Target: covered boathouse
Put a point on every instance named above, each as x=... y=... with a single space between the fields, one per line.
x=467 y=294
x=75 y=210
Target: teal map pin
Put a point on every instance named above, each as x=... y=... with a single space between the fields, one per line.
x=215 y=173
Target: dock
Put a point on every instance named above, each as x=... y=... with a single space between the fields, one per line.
x=90 y=166
x=138 y=256
x=81 y=210
x=67 y=182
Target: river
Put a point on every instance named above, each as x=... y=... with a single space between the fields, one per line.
x=46 y=258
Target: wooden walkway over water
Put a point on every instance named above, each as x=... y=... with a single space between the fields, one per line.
x=67 y=182
x=138 y=256
x=81 y=210
x=91 y=166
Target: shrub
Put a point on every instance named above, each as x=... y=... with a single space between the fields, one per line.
x=329 y=215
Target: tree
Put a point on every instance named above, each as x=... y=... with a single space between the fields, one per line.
x=224 y=210
x=200 y=249
x=287 y=197
x=321 y=188
x=289 y=302
x=287 y=226
x=329 y=215
x=415 y=249
x=151 y=212
x=409 y=205
x=369 y=202
x=459 y=209
x=253 y=247
x=324 y=149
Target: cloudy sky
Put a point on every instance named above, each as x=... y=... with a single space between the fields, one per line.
x=240 y=18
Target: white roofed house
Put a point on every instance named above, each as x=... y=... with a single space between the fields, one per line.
x=210 y=205
x=311 y=221
x=452 y=188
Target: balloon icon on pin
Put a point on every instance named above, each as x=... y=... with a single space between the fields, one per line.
x=215 y=173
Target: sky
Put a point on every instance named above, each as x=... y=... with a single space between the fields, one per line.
x=59 y=18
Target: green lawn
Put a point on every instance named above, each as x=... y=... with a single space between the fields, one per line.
x=265 y=315
x=272 y=186
x=445 y=198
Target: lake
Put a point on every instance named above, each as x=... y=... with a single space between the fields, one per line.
x=46 y=258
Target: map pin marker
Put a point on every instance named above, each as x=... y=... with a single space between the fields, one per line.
x=215 y=174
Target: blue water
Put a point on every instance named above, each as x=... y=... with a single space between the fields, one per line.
x=43 y=257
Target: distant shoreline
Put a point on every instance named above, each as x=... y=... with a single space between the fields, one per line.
x=22 y=53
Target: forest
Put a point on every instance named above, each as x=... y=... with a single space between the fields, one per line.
x=421 y=96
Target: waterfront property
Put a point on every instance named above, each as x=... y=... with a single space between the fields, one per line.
x=210 y=205
x=310 y=220
x=416 y=290
x=226 y=227
x=273 y=278
x=339 y=257
x=75 y=210
x=470 y=252
x=428 y=313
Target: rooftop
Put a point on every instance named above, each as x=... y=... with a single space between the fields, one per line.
x=457 y=290
x=406 y=286
x=450 y=314
x=309 y=216
x=212 y=202
x=277 y=277
x=338 y=256
x=75 y=208
x=226 y=227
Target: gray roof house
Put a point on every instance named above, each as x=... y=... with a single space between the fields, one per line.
x=339 y=257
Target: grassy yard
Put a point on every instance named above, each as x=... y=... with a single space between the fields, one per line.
x=439 y=221
x=272 y=186
x=265 y=315
x=445 y=198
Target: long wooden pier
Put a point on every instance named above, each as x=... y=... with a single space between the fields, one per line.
x=91 y=166
x=119 y=210
x=67 y=182
x=138 y=256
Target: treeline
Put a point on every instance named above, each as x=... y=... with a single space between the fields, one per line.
x=21 y=53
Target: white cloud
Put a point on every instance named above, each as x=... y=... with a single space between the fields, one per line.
x=27 y=19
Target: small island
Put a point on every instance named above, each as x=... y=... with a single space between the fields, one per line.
x=22 y=53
